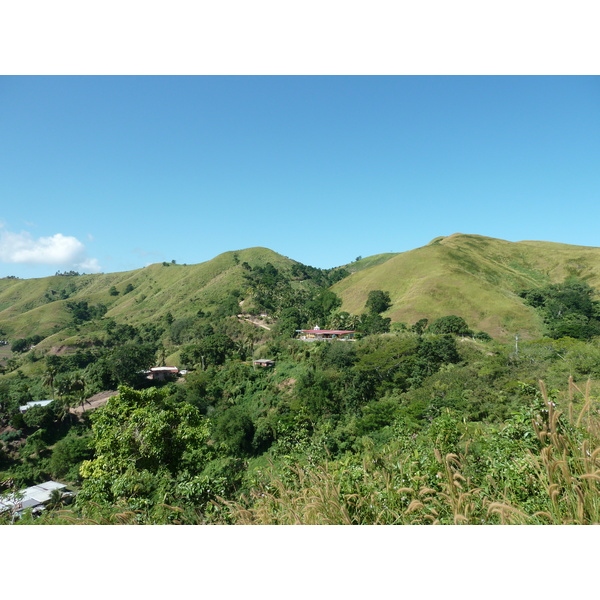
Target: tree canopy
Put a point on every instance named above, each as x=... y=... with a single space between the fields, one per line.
x=378 y=301
x=450 y=324
x=140 y=438
x=569 y=309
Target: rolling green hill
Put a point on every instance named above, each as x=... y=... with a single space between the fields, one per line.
x=369 y=261
x=39 y=306
x=471 y=276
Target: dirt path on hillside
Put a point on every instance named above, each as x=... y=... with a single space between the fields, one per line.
x=254 y=321
x=94 y=402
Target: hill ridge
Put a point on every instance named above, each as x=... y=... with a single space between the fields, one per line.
x=470 y=275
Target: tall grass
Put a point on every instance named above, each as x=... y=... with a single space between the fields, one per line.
x=390 y=489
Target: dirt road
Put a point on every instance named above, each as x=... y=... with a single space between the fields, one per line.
x=94 y=402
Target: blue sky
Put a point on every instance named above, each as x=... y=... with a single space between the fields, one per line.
x=103 y=174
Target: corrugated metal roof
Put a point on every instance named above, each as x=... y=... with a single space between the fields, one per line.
x=34 y=495
x=35 y=403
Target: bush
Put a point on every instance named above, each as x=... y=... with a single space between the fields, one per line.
x=235 y=429
x=68 y=454
x=20 y=345
x=378 y=301
x=38 y=417
x=450 y=324
x=10 y=436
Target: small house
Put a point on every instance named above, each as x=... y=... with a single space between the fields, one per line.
x=27 y=406
x=34 y=497
x=318 y=334
x=162 y=373
x=264 y=362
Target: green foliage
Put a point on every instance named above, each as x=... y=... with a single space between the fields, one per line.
x=20 y=345
x=235 y=430
x=321 y=306
x=229 y=306
x=373 y=322
x=376 y=430
x=450 y=324
x=376 y=415
x=316 y=394
x=290 y=319
x=532 y=470
x=10 y=436
x=24 y=344
x=38 y=417
x=82 y=311
x=339 y=356
x=568 y=308
x=213 y=349
x=67 y=456
x=128 y=362
x=378 y=301
x=121 y=334
x=483 y=336
x=420 y=326
x=141 y=440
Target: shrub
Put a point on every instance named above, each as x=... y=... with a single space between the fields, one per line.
x=450 y=324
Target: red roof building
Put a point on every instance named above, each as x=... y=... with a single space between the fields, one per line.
x=317 y=334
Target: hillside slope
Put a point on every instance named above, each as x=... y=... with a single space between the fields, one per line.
x=39 y=306
x=471 y=276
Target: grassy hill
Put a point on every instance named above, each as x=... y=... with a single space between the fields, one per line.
x=369 y=261
x=471 y=276
x=39 y=306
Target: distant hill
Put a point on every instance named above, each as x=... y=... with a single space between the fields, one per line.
x=471 y=276
x=39 y=306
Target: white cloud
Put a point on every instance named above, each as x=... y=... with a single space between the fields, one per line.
x=89 y=265
x=58 y=249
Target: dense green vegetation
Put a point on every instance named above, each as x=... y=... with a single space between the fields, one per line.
x=423 y=421
x=568 y=308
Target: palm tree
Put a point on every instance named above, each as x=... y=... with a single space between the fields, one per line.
x=48 y=378
x=353 y=322
x=62 y=409
x=340 y=320
x=55 y=501
x=72 y=390
x=162 y=355
x=78 y=386
x=64 y=385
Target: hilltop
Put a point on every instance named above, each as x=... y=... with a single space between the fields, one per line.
x=41 y=306
x=471 y=276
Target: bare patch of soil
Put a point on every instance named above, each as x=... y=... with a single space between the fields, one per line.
x=254 y=320
x=94 y=402
x=59 y=350
x=286 y=384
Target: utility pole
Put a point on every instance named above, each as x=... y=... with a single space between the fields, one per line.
x=517 y=344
